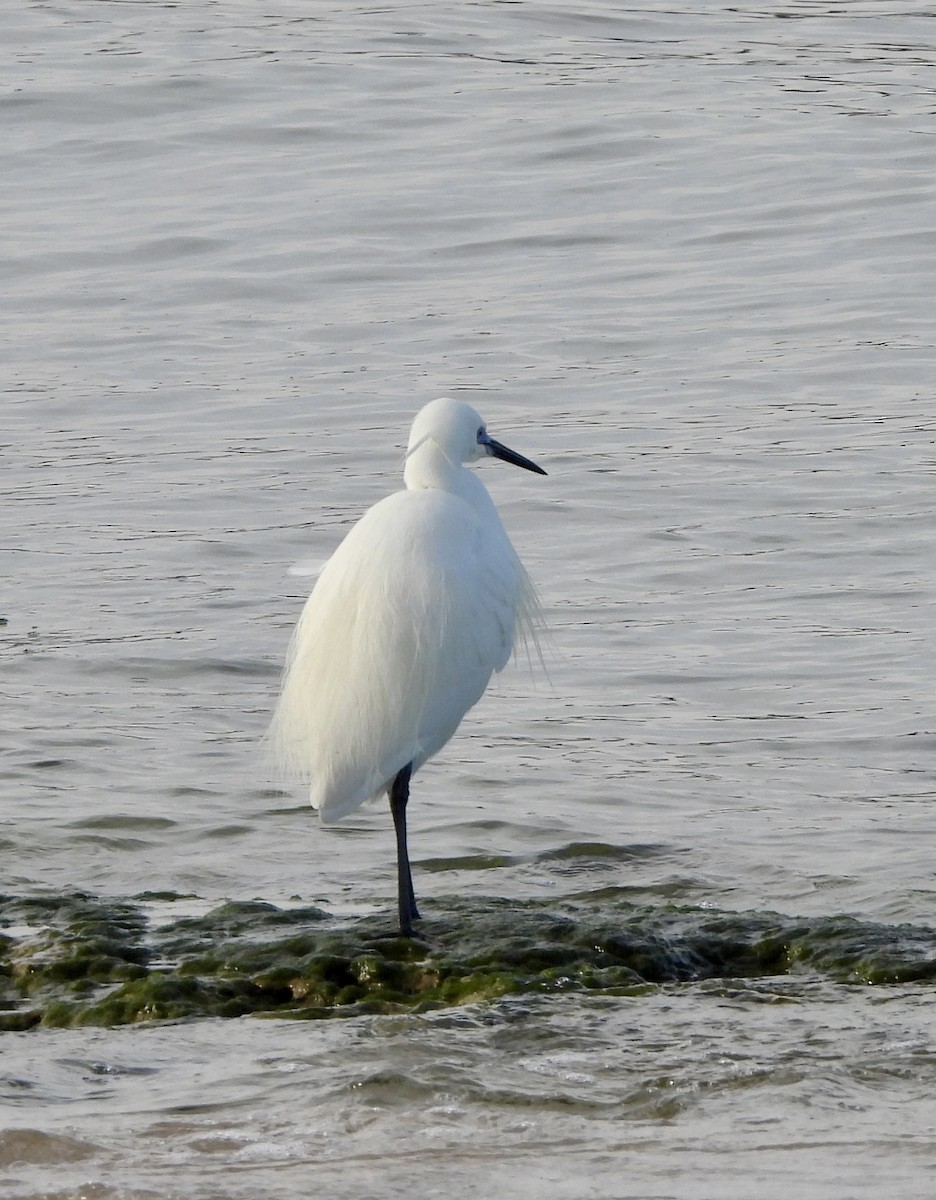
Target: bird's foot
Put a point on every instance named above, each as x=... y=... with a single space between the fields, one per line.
x=408 y=931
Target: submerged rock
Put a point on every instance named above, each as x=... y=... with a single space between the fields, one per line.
x=78 y=959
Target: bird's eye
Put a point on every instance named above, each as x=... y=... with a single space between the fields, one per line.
x=481 y=435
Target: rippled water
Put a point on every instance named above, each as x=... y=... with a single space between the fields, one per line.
x=684 y=257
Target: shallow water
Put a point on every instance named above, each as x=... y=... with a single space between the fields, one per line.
x=685 y=259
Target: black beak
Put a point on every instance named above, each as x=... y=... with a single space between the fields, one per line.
x=511 y=456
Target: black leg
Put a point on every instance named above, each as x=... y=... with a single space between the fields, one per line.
x=406 y=897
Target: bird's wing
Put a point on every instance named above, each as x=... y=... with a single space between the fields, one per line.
x=398 y=640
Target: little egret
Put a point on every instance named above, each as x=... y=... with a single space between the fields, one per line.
x=407 y=622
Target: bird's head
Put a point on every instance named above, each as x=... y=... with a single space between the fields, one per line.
x=460 y=433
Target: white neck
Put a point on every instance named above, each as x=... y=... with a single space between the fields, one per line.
x=428 y=467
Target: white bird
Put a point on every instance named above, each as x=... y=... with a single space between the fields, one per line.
x=408 y=620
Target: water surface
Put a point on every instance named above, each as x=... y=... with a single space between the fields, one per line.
x=682 y=257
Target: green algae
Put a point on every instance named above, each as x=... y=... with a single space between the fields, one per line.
x=78 y=959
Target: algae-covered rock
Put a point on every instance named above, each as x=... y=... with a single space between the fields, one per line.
x=858 y=952
x=77 y=959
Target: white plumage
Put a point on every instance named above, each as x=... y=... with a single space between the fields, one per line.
x=410 y=617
